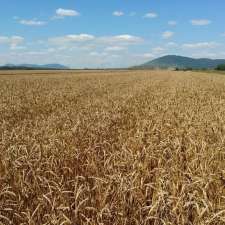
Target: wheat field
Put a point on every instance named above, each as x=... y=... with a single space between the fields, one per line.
x=112 y=148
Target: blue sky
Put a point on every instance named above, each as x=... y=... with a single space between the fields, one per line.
x=113 y=33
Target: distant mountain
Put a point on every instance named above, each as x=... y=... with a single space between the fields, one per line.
x=34 y=67
x=174 y=61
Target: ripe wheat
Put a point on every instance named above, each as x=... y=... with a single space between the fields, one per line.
x=113 y=148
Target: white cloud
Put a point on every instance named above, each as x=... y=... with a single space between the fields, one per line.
x=16 y=40
x=118 y=13
x=12 y=41
x=200 y=22
x=71 y=39
x=167 y=34
x=223 y=34
x=172 y=23
x=200 y=45
x=91 y=42
x=115 y=56
x=32 y=22
x=61 y=13
x=206 y=54
x=4 y=40
x=80 y=37
x=124 y=39
x=146 y=55
x=171 y=44
x=158 y=50
x=16 y=47
x=98 y=54
x=79 y=50
x=114 y=48
x=51 y=50
x=33 y=53
x=88 y=46
x=151 y=15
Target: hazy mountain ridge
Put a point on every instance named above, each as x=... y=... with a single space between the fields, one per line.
x=174 y=61
x=34 y=66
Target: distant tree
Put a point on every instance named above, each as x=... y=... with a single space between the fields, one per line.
x=221 y=67
x=187 y=69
